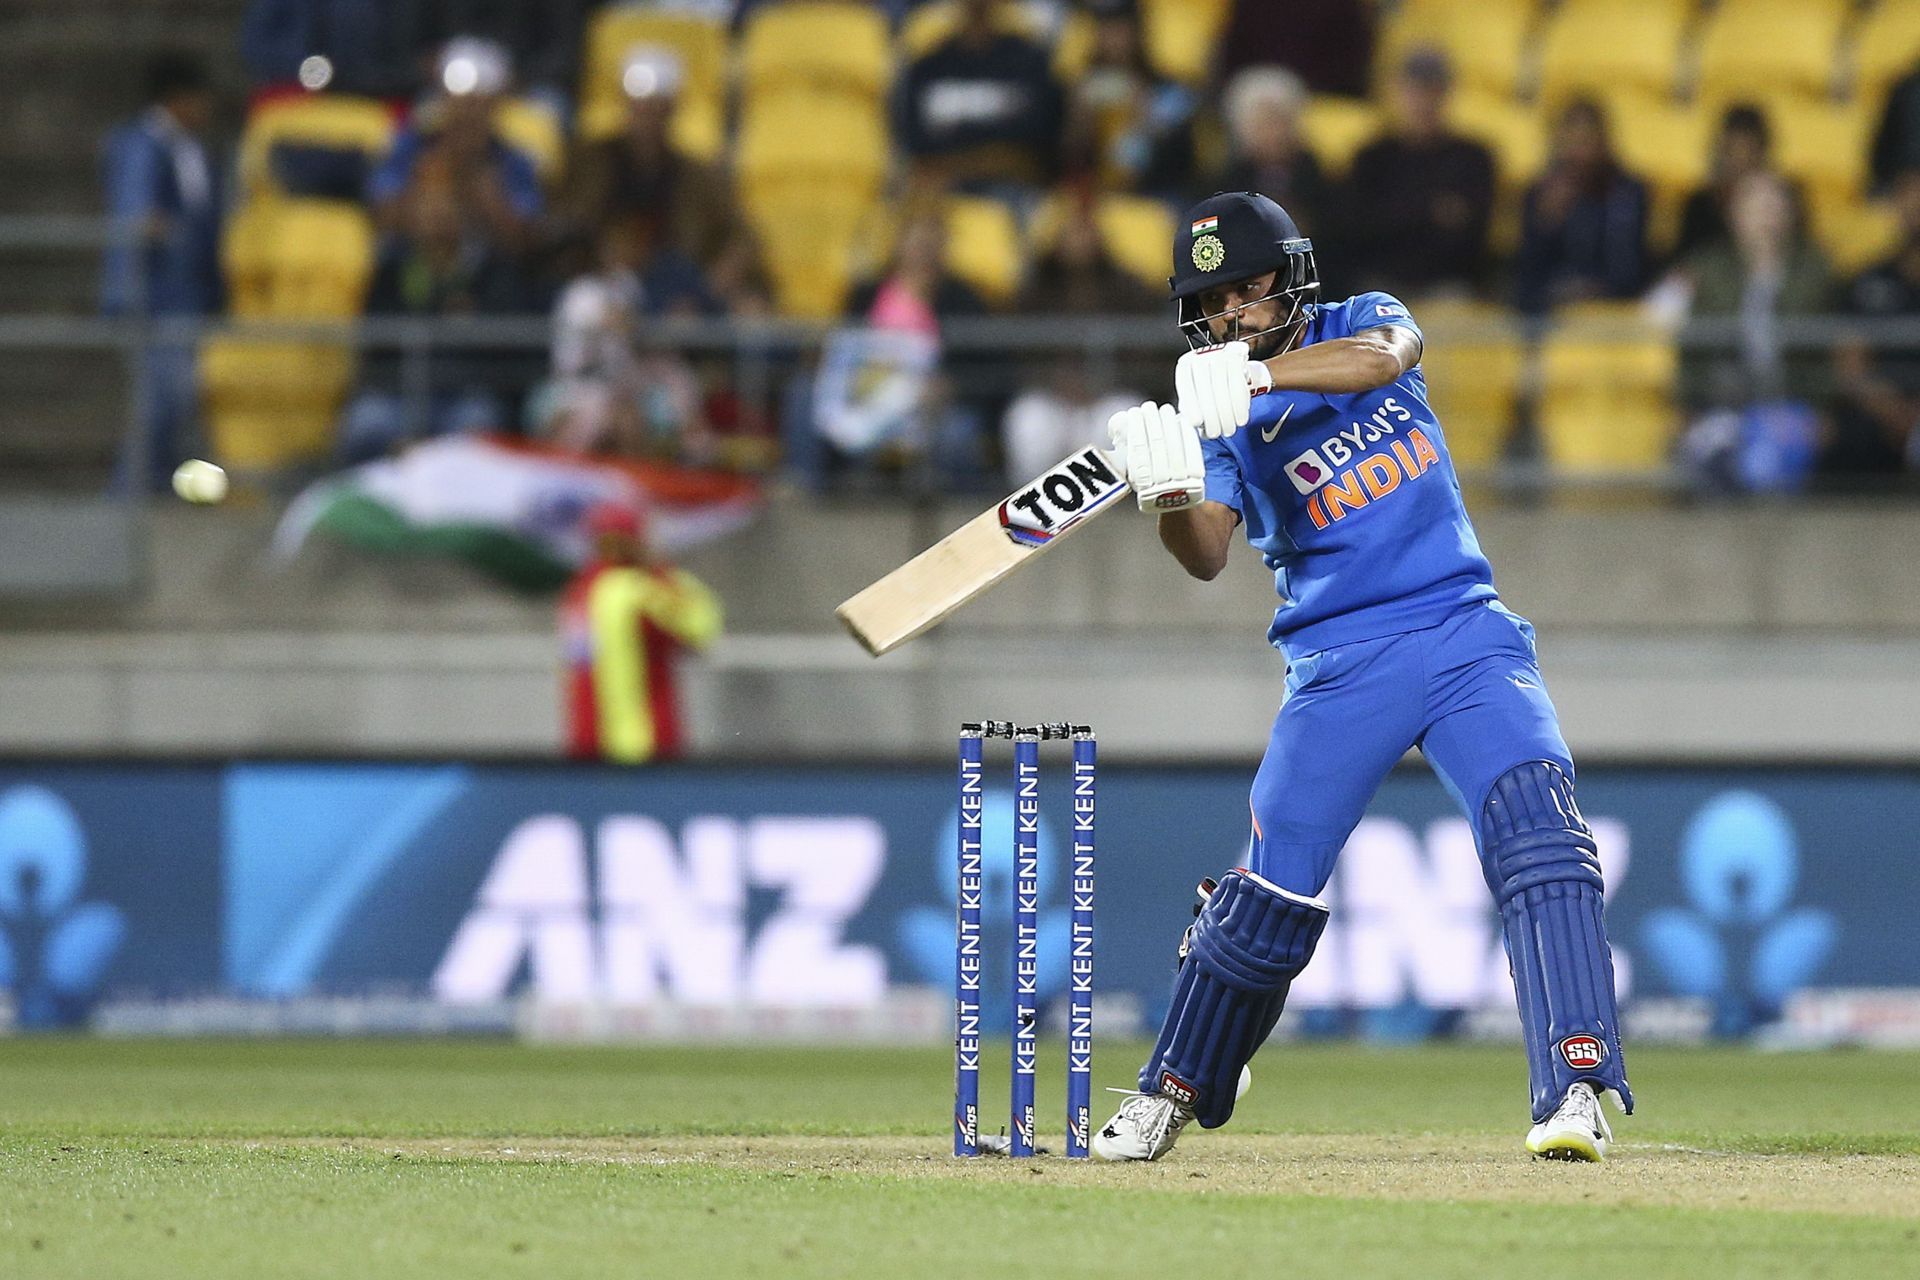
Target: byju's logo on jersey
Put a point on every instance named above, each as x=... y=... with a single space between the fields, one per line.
x=1309 y=471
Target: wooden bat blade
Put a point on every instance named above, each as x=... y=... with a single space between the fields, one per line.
x=1031 y=521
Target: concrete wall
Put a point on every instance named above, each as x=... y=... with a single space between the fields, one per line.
x=1779 y=632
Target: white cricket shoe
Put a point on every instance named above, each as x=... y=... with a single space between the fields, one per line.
x=1148 y=1124
x=1577 y=1131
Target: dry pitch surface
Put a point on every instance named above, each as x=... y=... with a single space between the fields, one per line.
x=323 y=1159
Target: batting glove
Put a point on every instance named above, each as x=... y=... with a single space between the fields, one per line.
x=1216 y=386
x=1161 y=456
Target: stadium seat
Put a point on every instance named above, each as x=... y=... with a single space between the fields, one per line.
x=1515 y=133
x=1604 y=46
x=1334 y=128
x=1781 y=46
x=829 y=46
x=983 y=247
x=813 y=135
x=298 y=260
x=1823 y=145
x=1181 y=35
x=331 y=122
x=1855 y=233
x=699 y=123
x=1473 y=364
x=815 y=235
x=1606 y=395
x=532 y=128
x=1886 y=45
x=271 y=404
x=1139 y=236
x=1486 y=41
x=1666 y=145
x=930 y=24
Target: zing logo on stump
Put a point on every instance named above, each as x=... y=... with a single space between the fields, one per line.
x=1061 y=498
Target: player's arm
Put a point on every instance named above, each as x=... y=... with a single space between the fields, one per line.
x=1199 y=537
x=1344 y=366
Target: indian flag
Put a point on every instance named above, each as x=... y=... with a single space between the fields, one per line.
x=1205 y=225
x=513 y=510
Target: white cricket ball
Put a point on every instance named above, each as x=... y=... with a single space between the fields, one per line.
x=199 y=481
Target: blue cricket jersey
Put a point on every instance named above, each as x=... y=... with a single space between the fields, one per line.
x=1353 y=501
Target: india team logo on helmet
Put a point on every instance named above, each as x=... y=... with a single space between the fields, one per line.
x=1209 y=254
x=1583 y=1052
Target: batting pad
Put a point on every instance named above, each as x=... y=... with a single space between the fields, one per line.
x=1545 y=873
x=1250 y=940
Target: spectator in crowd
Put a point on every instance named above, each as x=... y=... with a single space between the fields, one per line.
x=1419 y=200
x=1065 y=412
x=164 y=200
x=1879 y=382
x=347 y=46
x=1896 y=143
x=1129 y=128
x=686 y=204
x=1744 y=145
x=1076 y=275
x=1328 y=42
x=625 y=623
x=1583 y=232
x=1262 y=106
x=540 y=37
x=611 y=390
x=452 y=140
x=1767 y=270
x=435 y=266
x=981 y=111
x=879 y=395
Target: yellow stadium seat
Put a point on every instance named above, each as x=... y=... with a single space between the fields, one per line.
x=931 y=24
x=1474 y=363
x=1667 y=145
x=815 y=233
x=271 y=404
x=1855 y=233
x=1334 y=128
x=830 y=46
x=983 y=246
x=700 y=119
x=1823 y=145
x=1604 y=46
x=1486 y=41
x=1777 y=45
x=814 y=135
x=1181 y=35
x=1138 y=233
x=298 y=259
x=1886 y=45
x=532 y=128
x=333 y=121
x=1606 y=395
x=1516 y=134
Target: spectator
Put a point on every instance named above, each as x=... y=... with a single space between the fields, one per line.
x=981 y=111
x=1076 y=275
x=1418 y=201
x=686 y=204
x=1879 y=381
x=625 y=621
x=1767 y=270
x=435 y=267
x=1128 y=128
x=879 y=394
x=1896 y=143
x=540 y=37
x=347 y=46
x=452 y=141
x=1067 y=412
x=163 y=197
x=1262 y=106
x=610 y=390
x=1327 y=42
x=1744 y=146
x=1583 y=232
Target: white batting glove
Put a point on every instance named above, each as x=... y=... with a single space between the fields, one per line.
x=1161 y=455
x=1216 y=385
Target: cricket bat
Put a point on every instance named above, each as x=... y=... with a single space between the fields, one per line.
x=1031 y=521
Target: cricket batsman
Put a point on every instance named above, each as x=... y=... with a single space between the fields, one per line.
x=1394 y=638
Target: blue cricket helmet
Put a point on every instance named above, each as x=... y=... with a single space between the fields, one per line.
x=1233 y=236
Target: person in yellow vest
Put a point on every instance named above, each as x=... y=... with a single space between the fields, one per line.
x=624 y=621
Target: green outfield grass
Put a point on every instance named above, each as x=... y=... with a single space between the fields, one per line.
x=391 y=1159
